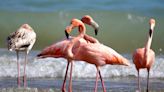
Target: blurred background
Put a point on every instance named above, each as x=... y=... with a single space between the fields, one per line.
x=123 y=23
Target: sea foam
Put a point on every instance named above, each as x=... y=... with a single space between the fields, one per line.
x=55 y=67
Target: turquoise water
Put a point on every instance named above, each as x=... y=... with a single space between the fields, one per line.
x=123 y=24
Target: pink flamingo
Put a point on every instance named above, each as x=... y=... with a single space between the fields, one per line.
x=144 y=57
x=57 y=50
x=21 y=40
x=93 y=53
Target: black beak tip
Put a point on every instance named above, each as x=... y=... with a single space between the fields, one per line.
x=67 y=35
x=150 y=32
x=96 y=31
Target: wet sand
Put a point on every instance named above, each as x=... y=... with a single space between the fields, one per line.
x=81 y=85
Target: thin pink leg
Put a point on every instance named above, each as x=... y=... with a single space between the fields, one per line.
x=24 y=77
x=102 y=82
x=70 y=81
x=139 y=89
x=18 y=69
x=147 y=90
x=64 y=82
x=95 y=90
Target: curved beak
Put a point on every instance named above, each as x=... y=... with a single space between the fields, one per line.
x=66 y=34
x=150 y=32
x=152 y=25
x=68 y=31
x=95 y=26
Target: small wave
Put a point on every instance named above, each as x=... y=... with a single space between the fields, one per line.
x=55 y=67
x=135 y=19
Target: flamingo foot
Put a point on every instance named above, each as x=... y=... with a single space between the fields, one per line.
x=139 y=90
x=24 y=81
x=70 y=90
x=63 y=90
x=64 y=87
x=18 y=82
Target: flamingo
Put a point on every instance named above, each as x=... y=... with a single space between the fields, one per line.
x=21 y=40
x=145 y=57
x=93 y=53
x=57 y=50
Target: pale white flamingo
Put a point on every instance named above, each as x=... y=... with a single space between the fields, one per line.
x=21 y=40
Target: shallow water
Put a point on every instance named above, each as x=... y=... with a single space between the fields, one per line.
x=123 y=24
x=84 y=85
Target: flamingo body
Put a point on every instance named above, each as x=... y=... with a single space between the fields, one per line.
x=22 y=39
x=58 y=50
x=99 y=54
x=140 y=60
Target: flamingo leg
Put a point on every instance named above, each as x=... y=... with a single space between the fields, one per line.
x=70 y=81
x=95 y=90
x=24 y=77
x=102 y=82
x=139 y=89
x=18 y=69
x=64 y=82
x=147 y=90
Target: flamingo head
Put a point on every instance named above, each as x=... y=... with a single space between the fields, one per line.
x=26 y=26
x=75 y=23
x=68 y=31
x=89 y=21
x=152 y=25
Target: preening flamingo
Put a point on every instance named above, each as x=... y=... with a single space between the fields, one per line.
x=145 y=57
x=57 y=50
x=21 y=40
x=93 y=53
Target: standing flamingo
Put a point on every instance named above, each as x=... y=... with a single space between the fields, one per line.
x=57 y=50
x=21 y=40
x=93 y=53
x=144 y=57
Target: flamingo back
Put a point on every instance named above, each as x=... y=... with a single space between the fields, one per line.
x=99 y=54
x=55 y=50
x=22 y=39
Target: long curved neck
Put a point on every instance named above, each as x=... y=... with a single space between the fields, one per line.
x=82 y=31
x=149 y=41
x=82 y=34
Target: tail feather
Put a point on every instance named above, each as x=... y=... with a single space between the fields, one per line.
x=44 y=53
x=120 y=60
x=39 y=55
x=125 y=62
